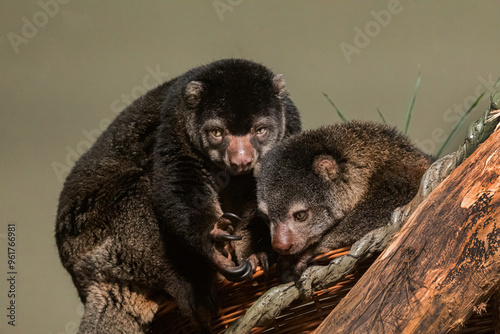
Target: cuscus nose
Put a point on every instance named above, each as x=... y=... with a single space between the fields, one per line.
x=282 y=238
x=280 y=247
x=241 y=163
x=240 y=154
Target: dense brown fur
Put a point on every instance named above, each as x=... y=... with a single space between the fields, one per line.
x=326 y=188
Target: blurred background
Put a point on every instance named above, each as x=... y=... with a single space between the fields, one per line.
x=68 y=67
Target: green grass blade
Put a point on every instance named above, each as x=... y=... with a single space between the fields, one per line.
x=337 y=109
x=381 y=116
x=460 y=122
x=412 y=103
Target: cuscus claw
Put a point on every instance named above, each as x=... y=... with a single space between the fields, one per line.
x=265 y=266
x=232 y=217
x=228 y=237
x=239 y=273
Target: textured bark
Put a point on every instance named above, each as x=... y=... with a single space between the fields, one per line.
x=444 y=262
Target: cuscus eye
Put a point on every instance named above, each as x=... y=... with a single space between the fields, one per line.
x=300 y=215
x=261 y=131
x=217 y=133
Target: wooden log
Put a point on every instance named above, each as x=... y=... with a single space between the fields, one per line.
x=444 y=262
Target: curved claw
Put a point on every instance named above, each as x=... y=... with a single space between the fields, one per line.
x=232 y=217
x=240 y=273
x=265 y=266
x=228 y=237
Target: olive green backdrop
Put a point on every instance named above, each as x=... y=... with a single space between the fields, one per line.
x=67 y=67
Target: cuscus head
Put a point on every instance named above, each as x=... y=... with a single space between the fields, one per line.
x=304 y=190
x=236 y=112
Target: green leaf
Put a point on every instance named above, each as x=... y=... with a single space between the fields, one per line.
x=462 y=119
x=381 y=116
x=459 y=124
x=412 y=103
x=337 y=109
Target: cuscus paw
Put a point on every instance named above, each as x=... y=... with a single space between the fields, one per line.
x=259 y=260
x=222 y=236
x=223 y=228
x=223 y=242
x=290 y=268
x=238 y=273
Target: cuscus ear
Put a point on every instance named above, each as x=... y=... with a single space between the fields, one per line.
x=326 y=167
x=262 y=206
x=193 y=93
x=280 y=86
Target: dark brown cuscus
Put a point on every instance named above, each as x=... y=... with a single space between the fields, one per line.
x=140 y=215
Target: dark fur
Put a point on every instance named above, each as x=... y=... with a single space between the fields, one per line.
x=347 y=178
x=137 y=211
